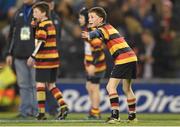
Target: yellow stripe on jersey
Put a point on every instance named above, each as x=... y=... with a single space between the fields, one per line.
x=42 y=32
x=46 y=66
x=51 y=44
x=44 y=56
x=112 y=31
x=105 y=34
x=88 y=58
x=51 y=32
x=102 y=57
x=117 y=46
x=42 y=24
x=127 y=60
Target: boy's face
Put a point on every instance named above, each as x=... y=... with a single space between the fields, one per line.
x=81 y=20
x=94 y=19
x=37 y=14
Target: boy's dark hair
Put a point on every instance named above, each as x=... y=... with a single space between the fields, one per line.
x=43 y=7
x=84 y=12
x=48 y=1
x=100 y=12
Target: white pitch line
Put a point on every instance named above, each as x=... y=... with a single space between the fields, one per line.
x=47 y=121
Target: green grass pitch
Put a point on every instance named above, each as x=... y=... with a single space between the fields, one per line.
x=75 y=119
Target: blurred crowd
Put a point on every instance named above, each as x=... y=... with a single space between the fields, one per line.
x=152 y=28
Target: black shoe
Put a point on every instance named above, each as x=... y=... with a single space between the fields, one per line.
x=63 y=113
x=94 y=117
x=41 y=116
x=132 y=117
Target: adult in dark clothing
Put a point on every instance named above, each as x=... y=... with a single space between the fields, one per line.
x=20 y=47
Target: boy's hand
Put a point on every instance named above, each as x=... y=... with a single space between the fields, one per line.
x=85 y=35
x=30 y=61
x=34 y=23
x=91 y=70
x=9 y=60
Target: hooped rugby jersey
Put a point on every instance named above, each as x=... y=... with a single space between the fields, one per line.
x=116 y=44
x=94 y=53
x=47 y=56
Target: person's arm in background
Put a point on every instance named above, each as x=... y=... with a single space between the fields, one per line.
x=10 y=45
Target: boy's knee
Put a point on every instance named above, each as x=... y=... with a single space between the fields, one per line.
x=126 y=87
x=88 y=87
x=40 y=85
x=51 y=86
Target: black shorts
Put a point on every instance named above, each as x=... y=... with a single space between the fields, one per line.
x=95 y=79
x=124 y=71
x=46 y=75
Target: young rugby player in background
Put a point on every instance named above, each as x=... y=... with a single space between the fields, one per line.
x=95 y=65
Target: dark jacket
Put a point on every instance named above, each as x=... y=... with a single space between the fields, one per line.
x=17 y=47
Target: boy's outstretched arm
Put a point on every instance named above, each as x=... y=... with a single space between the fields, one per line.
x=91 y=35
x=85 y=35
